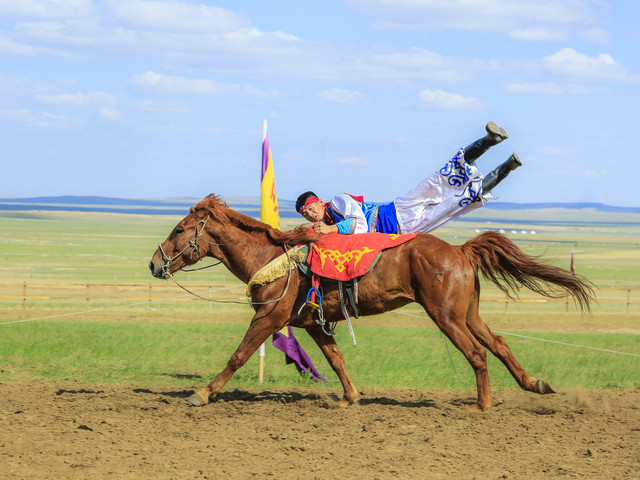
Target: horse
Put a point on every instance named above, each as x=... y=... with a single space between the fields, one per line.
x=441 y=277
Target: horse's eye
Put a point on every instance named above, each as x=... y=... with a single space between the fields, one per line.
x=179 y=230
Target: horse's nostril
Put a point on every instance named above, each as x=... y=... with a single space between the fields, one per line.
x=151 y=267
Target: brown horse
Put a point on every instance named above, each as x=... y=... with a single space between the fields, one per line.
x=440 y=277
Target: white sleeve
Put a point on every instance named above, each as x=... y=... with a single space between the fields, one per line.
x=348 y=208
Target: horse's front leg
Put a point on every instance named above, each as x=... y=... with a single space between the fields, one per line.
x=259 y=331
x=333 y=355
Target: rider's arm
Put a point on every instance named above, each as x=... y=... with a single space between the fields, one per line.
x=351 y=217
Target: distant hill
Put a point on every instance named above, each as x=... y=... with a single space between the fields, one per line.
x=600 y=207
x=245 y=204
x=163 y=206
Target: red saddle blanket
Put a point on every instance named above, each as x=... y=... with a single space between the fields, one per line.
x=343 y=257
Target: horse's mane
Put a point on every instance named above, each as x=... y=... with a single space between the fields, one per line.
x=222 y=213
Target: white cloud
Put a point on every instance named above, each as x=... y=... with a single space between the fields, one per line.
x=10 y=47
x=440 y=100
x=171 y=15
x=45 y=8
x=110 y=113
x=254 y=92
x=568 y=63
x=12 y=87
x=419 y=64
x=216 y=41
x=538 y=34
x=162 y=84
x=183 y=38
x=596 y=35
x=78 y=99
x=161 y=106
x=538 y=88
x=158 y=83
x=553 y=89
x=345 y=97
x=29 y=118
x=524 y=19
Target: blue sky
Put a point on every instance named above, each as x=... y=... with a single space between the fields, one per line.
x=148 y=99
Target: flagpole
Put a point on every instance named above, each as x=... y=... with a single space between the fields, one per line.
x=262 y=350
x=261 y=362
x=269 y=214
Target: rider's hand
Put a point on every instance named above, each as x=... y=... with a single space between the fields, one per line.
x=322 y=228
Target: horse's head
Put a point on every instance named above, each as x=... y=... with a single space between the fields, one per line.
x=188 y=242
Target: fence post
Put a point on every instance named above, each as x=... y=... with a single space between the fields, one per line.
x=150 y=295
x=88 y=296
x=628 y=299
x=24 y=296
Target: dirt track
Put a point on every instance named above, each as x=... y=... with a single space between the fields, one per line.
x=91 y=431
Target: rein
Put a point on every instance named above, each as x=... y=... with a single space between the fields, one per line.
x=201 y=268
x=286 y=287
x=196 y=248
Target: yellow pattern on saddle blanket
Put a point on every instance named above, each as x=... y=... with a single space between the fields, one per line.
x=343 y=257
x=277 y=268
x=338 y=257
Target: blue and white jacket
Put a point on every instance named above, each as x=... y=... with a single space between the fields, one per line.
x=352 y=216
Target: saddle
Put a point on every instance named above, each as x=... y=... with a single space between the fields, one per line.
x=341 y=258
x=346 y=257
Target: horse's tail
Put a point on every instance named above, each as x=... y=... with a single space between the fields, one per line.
x=501 y=261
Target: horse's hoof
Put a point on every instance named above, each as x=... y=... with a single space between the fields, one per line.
x=199 y=398
x=344 y=402
x=543 y=387
x=475 y=408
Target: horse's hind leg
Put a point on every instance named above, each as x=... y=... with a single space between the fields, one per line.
x=333 y=355
x=452 y=324
x=498 y=346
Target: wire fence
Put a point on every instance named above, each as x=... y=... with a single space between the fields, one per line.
x=27 y=295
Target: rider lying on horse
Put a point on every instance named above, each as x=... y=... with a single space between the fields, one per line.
x=455 y=189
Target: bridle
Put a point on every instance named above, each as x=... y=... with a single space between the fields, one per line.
x=195 y=247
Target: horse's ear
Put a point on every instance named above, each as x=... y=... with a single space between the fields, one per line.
x=192 y=209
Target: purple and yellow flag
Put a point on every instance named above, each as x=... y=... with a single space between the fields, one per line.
x=284 y=339
x=293 y=353
x=268 y=200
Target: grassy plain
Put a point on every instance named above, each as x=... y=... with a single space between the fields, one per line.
x=86 y=276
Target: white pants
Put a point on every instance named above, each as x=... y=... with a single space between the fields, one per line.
x=452 y=191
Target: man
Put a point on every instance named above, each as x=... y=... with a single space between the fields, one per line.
x=456 y=189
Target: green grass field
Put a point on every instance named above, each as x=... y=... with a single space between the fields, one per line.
x=190 y=353
x=87 y=278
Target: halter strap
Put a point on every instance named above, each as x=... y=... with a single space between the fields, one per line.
x=193 y=243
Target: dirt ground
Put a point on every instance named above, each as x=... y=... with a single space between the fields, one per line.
x=81 y=431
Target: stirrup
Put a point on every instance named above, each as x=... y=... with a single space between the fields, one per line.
x=313 y=291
